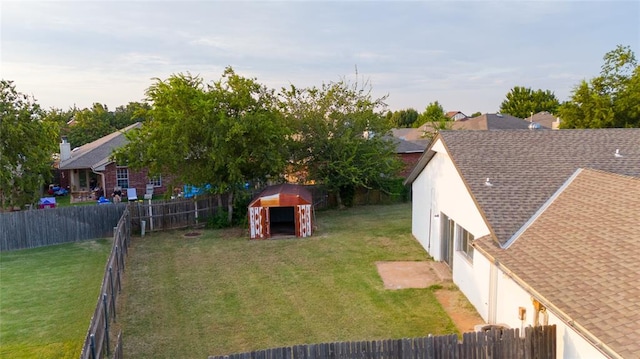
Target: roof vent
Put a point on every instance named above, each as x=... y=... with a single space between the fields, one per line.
x=499 y=114
x=618 y=154
x=488 y=183
x=534 y=126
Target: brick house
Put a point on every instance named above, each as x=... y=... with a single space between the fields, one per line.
x=88 y=171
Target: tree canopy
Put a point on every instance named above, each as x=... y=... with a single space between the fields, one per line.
x=611 y=99
x=82 y=126
x=524 y=102
x=435 y=119
x=404 y=118
x=222 y=134
x=27 y=144
x=340 y=137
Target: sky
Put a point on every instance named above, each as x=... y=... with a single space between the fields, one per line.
x=466 y=55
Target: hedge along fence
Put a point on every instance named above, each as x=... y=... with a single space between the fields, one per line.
x=44 y=227
x=98 y=341
x=538 y=343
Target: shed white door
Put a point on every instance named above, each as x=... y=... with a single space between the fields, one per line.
x=304 y=215
x=256 y=222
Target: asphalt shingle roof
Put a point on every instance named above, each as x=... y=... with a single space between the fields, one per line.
x=582 y=254
x=492 y=121
x=93 y=153
x=526 y=167
x=403 y=146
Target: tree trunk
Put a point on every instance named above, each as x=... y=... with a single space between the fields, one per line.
x=339 y=200
x=230 y=208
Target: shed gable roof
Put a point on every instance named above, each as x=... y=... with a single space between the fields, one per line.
x=97 y=152
x=273 y=194
x=526 y=167
x=586 y=241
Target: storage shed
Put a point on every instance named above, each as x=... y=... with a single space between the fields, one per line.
x=285 y=209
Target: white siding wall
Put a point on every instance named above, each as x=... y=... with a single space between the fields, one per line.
x=473 y=281
x=439 y=189
x=440 y=180
x=511 y=296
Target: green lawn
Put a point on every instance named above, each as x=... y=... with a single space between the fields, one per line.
x=47 y=298
x=222 y=293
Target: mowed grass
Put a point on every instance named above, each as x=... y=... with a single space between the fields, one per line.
x=222 y=294
x=47 y=298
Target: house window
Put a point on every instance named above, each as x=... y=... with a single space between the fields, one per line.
x=156 y=181
x=464 y=242
x=122 y=177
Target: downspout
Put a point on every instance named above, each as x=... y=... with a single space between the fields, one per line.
x=493 y=293
x=582 y=331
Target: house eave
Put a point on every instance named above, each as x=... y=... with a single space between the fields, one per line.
x=564 y=317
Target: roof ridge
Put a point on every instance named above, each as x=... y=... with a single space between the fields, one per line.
x=541 y=210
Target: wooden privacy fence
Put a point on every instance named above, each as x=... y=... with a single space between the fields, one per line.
x=97 y=341
x=44 y=227
x=173 y=214
x=537 y=343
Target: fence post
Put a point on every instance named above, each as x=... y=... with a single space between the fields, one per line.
x=150 y=217
x=106 y=320
x=117 y=258
x=93 y=346
x=119 y=282
x=195 y=202
x=113 y=297
x=122 y=259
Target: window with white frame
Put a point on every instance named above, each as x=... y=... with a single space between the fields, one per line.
x=156 y=181
x=464 y=242
x=122 y=177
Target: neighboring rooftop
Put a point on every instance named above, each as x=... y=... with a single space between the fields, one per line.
x=404 y=146
x=581 y=254
x=492 y=121
x=545 y=119
x=408 y=134
x=98 y=151
x=526 y=167
x=456 y=115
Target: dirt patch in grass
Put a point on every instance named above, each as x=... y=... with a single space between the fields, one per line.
x=407 y=274
x=421 y=274
x=462 y=313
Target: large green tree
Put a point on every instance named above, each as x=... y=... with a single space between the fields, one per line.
x=404 y=118
x=434 y=119
x=223 y=134
x=340 y=137
x=611 y=99
x=523 y=102
x=90 y=124
x=27 y=144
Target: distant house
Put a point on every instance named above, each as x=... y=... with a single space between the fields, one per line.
x=493 y=121
x=539 y=226
x=89 y=172
x=409 y=140
x=409 y=153
x=456 y=115
x=546 y=120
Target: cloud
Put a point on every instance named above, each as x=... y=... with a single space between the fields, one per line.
x=467 y=54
